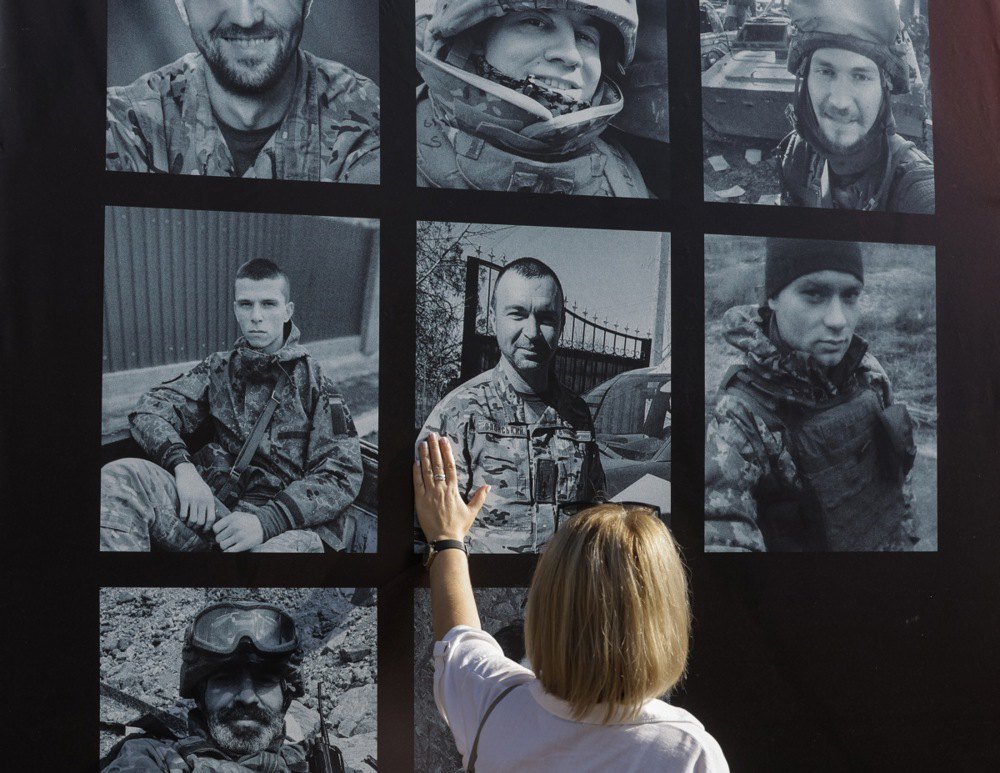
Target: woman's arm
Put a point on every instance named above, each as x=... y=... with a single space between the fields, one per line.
x=443 y=514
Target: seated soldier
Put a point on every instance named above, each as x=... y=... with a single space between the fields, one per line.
x=285 y=455
x=806 y=450
x=241 y=664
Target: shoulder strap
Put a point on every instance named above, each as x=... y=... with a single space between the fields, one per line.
x=738 y=380
x=475 y=744
x=231 y=485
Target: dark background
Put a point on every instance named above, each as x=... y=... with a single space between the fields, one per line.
x=800 y=662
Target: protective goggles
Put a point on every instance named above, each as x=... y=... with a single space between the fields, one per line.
x=221 y=627
x=566 y=510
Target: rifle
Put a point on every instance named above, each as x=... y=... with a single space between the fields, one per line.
x=326 y=758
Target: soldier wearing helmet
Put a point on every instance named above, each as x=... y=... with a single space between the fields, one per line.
x=516 y=95
x=850 y=57
x=806 y=450
x=241 y=666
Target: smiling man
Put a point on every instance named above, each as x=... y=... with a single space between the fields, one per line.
x=805 y=450
x=241 y=665
x=284 y=455
x=250 y=103
x=851 y=56
x=515 y=427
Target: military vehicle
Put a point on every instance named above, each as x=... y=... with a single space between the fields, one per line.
x=715 y=41
x=746 y=92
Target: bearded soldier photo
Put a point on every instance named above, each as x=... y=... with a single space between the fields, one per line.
x=238 y=680
x=517 y=96
x=808 y=447
x=249 y=103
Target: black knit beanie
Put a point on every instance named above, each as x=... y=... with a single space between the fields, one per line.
x=788 y=259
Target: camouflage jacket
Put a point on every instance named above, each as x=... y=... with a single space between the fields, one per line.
x=530 y=467
x=307 y=468
x=903 y=181
x=163 y=122
x=745 y=458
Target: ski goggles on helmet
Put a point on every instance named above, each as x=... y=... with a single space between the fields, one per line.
x=220 y=628
x=565 y=510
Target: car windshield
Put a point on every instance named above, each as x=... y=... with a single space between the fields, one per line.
x=633 y=416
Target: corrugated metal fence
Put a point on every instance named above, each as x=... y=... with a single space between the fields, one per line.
x=168 y=279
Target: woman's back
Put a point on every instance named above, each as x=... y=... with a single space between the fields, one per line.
x=530 y=730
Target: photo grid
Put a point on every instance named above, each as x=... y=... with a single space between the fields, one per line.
x=242 y=378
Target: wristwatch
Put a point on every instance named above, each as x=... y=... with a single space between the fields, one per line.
x=433 y=548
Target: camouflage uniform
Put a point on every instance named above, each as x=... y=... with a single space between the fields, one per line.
x=495 y=138
x=753 y=473
x=163 y=122
x=530 y=467
x=196 y=753
x=306 y=470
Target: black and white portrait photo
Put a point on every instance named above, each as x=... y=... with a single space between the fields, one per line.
x=280 y=679
x=501 y=612
x=543 y=354
x=543 y=96
x=240 y=382
x=818 y=103
x=821 y=371
x=272 y=89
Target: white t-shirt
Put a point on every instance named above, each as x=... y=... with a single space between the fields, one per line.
x=530 y=730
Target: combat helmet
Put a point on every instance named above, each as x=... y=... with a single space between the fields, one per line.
x=868 y=27
x=241 y=633
x=482 y=107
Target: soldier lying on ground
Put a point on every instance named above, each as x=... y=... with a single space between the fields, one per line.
x=251 y=103
x=806 y=450
x=515 y=96
x=241 y=665
x=515 y=427
x=850 y=57
x=304 y=471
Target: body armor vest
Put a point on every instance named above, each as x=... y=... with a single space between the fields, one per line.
x=802 y=172
x=852 y=457
x=451 y=158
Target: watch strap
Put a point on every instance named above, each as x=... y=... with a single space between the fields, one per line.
x=433 y=548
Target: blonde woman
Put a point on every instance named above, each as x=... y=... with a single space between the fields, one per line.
x=606 y=632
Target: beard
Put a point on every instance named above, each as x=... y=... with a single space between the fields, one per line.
x=249 y=68
x=250 y=739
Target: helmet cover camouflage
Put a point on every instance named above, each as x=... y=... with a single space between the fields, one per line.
x=868 y=27
x=198 y=663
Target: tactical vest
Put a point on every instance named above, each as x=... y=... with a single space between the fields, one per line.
x=455 y=159
x=852 y=457
x=802 y=171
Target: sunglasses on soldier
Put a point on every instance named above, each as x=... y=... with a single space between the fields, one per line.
x=566 y=510
x=221 y=627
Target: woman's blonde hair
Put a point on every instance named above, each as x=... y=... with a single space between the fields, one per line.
x=608 y=617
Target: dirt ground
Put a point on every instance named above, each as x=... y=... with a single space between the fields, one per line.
x=434 y=748
x=142 y=632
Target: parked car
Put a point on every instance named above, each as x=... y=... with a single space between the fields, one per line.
x=632 y=420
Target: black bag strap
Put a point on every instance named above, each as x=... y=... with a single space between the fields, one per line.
x=231 y=486
x=475 y=744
